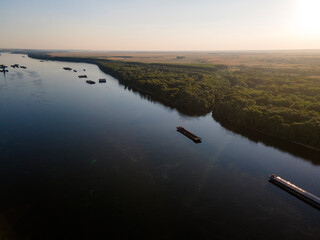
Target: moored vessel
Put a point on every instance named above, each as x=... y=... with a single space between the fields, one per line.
x=188 y=134
x=91 y=82
x=295 y=190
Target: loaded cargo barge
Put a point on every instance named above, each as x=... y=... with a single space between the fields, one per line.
x=296 y=191
x=188 y=134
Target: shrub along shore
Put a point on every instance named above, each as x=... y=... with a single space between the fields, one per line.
x=282 y=102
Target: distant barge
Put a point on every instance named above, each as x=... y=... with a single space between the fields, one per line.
x=188 y=134
x=296 y=191
x=90 y=82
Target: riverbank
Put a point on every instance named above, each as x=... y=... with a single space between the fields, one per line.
x=278 y=102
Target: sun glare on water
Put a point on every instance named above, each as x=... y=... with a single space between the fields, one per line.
x=310 y=17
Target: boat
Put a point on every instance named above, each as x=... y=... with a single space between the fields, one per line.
x=82 y=76
x=3 y=68
x=188 y=134
x=67 y=68
x=75 y=70
x=90 y=82
x=102 y=80
x=296 y=191
x=23 y=67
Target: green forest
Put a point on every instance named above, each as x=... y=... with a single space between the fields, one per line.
x=279 y=102
x=282 y=102
x=191 y=89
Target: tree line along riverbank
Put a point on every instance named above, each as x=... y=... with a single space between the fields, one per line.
x=282 y=102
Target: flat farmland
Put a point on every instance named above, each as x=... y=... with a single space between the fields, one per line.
x=277 y=59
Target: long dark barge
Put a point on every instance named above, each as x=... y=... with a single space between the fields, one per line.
x=90 y=82
x=296 y=191
x=188 y=134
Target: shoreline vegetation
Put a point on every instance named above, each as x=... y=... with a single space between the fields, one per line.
x=283 y=102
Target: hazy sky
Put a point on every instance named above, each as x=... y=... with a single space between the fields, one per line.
x=160 y=25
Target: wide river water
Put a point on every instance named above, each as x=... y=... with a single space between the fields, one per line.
x=80 y=160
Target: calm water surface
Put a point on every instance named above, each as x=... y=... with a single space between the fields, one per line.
x=88 y=160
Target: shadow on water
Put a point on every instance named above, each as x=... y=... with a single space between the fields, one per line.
x=4 y=74
x=153 y=99
x=16 y=75
x=308 y=154
x=32 y=74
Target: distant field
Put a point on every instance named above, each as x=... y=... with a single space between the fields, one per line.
x=278 y=59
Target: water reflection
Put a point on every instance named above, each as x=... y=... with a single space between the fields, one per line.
x=16 y=75
x=32 y=74
x=153 y=99
x=304 y=153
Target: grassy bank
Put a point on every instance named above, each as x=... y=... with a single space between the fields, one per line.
x=282 y=102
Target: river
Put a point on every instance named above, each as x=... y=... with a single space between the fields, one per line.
x=80 y=160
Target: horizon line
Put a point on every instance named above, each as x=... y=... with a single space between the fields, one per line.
x=164 y=51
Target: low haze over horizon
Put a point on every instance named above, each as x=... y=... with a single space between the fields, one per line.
x=160 y=25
